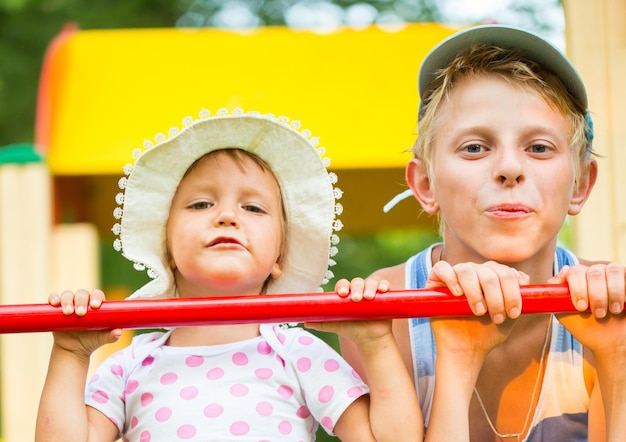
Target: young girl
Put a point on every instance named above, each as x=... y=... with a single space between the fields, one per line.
x=232 y=205
x=502 y=157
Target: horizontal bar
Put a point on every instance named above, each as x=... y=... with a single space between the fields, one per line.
x=305 y=307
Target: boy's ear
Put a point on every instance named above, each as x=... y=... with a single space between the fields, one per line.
x=417 y=178
x=583 y=187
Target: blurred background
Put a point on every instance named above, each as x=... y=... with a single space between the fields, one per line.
x=28 y=26
x=79 y=202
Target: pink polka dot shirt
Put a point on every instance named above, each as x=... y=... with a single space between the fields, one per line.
x=278 y=387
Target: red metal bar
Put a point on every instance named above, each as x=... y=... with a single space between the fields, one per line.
x=309 y=307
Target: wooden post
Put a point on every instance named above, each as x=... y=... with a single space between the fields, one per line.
x=596 y=43
x=25 y=220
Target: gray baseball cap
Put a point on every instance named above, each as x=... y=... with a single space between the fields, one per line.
x=532 y=46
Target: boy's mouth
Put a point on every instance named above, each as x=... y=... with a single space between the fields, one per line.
x=509 y=210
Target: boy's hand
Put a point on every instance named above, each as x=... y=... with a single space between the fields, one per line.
x=83 y=344
x=599 y=287
x=488 y=287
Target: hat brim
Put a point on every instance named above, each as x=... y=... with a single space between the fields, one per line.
x=305 y=185
x=532 y=46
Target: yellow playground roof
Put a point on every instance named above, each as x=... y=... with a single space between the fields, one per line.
x=103 y=92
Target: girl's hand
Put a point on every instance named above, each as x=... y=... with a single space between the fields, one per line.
x=360 y=332
x=360 y=288
x=489 y=287
x=81 y=343
x=77 y=302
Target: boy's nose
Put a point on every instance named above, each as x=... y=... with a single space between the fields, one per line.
x=510 y=168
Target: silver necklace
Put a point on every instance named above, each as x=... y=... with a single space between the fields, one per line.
x=517 y=436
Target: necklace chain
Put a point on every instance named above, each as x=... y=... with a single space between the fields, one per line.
x=532 y=398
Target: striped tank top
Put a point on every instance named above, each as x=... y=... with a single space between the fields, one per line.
x=561 y=413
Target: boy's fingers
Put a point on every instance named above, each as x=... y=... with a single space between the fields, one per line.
x=490 y=284
x=577 y=282
x=510 y=282
x=470 y=284
x=444 y=275
x=598 y=292
x=616 y=285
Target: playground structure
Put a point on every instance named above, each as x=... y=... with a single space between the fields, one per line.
x=103 y=92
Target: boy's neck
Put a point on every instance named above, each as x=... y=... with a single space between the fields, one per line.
x=540 y=266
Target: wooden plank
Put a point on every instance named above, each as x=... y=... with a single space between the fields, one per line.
x=24 y=277
x=596 y=43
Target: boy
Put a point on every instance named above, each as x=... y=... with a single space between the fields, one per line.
x=503 y=155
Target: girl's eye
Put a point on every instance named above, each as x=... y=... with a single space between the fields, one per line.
x=200 y=205
x=254 y=209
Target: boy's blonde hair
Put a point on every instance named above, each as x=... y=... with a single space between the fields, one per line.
x=511 y=65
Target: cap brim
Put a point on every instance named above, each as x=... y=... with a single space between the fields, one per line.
x=533 y=47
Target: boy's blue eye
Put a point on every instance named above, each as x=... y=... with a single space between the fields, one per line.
x=473 y=148
x=539 y=148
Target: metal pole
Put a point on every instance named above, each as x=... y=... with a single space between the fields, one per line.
x=306 y=307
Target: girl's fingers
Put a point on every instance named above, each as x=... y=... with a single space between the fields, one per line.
x=81 y=301
x=374 y=286
x=357 y=286
x=360 y=288
x=54 y=299
x=67 y=302
x=96 y=298
x=342 y=287
x=77 y=302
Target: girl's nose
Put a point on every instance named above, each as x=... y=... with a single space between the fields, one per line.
x=226 y=218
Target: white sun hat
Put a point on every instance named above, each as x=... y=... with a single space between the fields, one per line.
x=307 y=188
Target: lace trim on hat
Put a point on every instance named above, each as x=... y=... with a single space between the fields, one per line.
x=337 y=225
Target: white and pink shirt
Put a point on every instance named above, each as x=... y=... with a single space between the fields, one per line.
x=277 y=387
